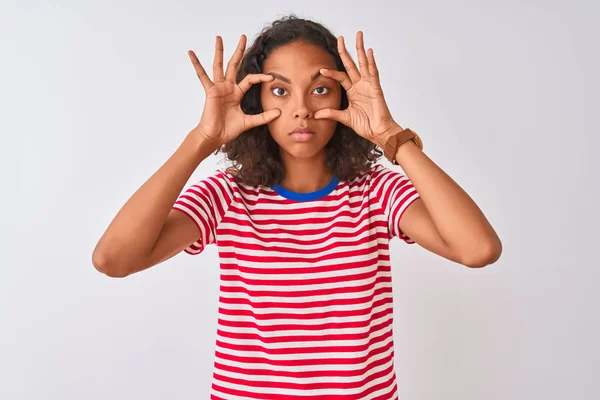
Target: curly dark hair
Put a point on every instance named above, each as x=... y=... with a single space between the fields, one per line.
x=254 y=154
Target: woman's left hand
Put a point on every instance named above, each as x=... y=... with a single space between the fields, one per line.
x=367 y=112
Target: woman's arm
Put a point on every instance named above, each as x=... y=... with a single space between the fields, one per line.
x=445 y=219
x=133 y=233
x=146 y=231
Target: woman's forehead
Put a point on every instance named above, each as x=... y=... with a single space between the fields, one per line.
x=298 y=53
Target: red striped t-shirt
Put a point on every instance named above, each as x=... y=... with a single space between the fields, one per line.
x=305 y=306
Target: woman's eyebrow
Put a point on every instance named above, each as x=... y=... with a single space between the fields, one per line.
x=287 y=80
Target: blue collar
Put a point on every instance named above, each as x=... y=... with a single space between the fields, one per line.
x=319 y=194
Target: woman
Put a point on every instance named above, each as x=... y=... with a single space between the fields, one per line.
x=302 y=218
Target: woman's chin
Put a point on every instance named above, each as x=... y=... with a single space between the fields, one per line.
x=302 y=150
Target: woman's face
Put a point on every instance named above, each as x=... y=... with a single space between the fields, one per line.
x=299 y=90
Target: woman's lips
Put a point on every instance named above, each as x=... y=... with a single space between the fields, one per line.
x=302 y=134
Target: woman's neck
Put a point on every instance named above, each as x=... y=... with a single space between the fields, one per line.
x=305 y=175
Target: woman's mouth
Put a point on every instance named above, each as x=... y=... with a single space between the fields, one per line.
x=302 y=134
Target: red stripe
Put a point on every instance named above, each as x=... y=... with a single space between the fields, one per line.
x=306 y=293
x=344 y=278
x=301 y=317
x=240 y=235
x=306 y=338
x=280 y=384
x=304 y=374
x=311 y=326
x=348 y=349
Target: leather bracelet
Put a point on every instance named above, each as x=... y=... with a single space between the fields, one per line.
x=394 y=142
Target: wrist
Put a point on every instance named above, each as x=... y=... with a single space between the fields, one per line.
x=396 y=138
x=391 y=130
x=203 y=143
x=206 y=137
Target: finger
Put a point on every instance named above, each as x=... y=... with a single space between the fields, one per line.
x=362 y=55
x=252 y=121
x=252 y=79
x=218 y=61
x=234 y=62
x=204 y=79
x=339 y=76
x=351 y=69
x=373 y=66
x=333 y=114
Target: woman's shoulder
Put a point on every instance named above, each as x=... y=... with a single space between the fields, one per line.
x=218 y=180
x=223 y=175
x=371 y=172
x=229 y=177
x=376 y=178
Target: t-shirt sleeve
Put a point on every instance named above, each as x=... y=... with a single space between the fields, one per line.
x=395 y=193
x=206 y=202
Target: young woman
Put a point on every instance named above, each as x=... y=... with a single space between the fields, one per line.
x=302 y=218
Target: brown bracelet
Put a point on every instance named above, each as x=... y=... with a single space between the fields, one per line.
x=394 y=142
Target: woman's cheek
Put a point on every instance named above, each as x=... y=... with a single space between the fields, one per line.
x=264 y=100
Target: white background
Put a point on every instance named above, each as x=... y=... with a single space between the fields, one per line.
x=96 y=95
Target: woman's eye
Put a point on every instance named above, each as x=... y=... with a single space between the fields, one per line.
x=278 y=91
x=321 y=90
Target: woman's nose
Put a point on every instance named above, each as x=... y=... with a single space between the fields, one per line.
x=302 y=113
x=302 y=110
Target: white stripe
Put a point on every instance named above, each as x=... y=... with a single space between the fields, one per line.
x=288 y=278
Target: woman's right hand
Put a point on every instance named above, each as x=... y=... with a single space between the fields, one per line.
x=222 y=118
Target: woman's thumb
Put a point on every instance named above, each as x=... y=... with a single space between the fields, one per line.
x=253 y=121
x=333 y=114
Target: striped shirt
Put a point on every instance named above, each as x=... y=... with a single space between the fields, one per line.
x=305 y=305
